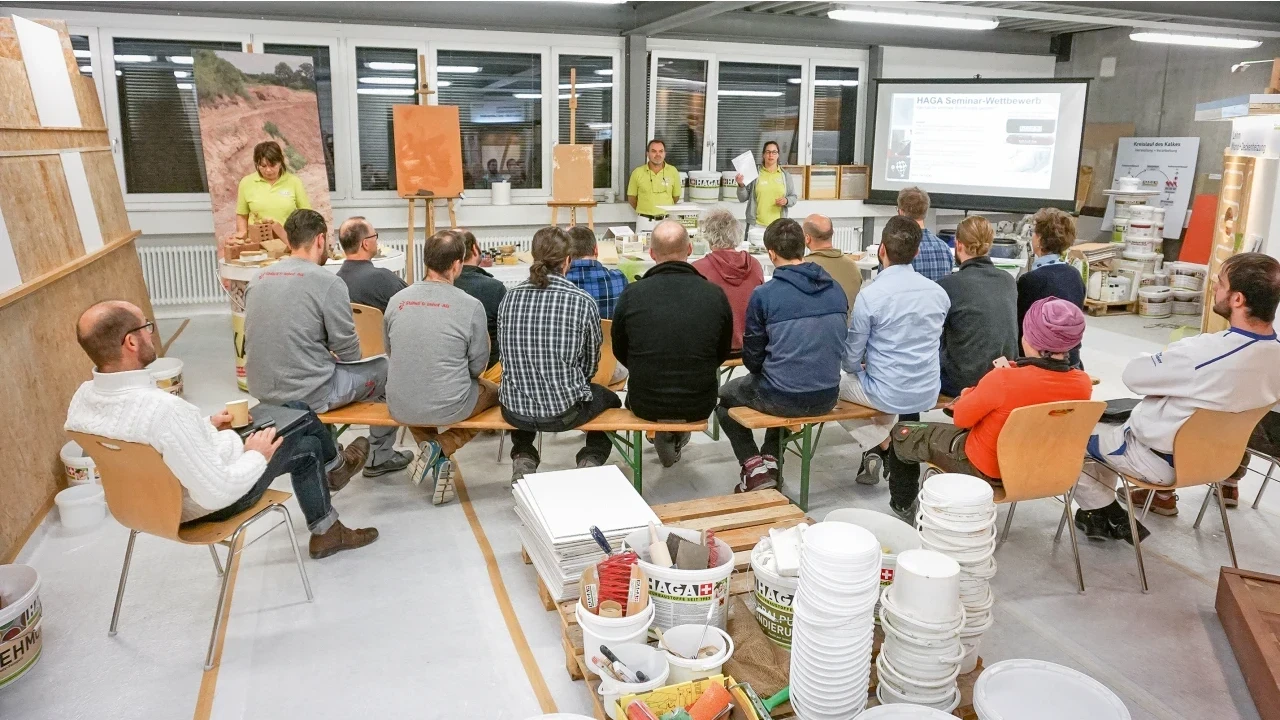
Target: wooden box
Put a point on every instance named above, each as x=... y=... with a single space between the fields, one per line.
x=822 y=182
x=855 y=182
x=798 y=174
x=1248 y=606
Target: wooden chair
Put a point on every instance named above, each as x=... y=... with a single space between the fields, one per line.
x=369 y=330
x=145 y=497
x=1206 y=450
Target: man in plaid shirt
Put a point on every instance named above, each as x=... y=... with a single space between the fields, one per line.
x=603 y=284
x=934 y=260
x=549 y=332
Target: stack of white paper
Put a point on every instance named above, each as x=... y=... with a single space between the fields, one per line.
x=557 y=510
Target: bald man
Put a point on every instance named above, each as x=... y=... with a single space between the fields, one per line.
x=221 y=475
x=818 y=233
x=672 y=328
x=367 y=284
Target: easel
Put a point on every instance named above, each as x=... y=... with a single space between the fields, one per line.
x=590 y=205
x=429 y=199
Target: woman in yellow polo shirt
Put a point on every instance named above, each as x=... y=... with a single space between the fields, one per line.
x=270 y=194
x=768 y=196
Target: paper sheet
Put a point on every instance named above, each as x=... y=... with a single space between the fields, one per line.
x=48 y=74
x=82 y=200
x=9 y=277
x=746 y=165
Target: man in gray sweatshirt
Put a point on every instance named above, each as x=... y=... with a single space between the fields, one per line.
x=437 y=339
x=300 y=339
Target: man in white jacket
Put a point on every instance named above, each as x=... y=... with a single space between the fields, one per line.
x=1231 y=371
x=221 y=476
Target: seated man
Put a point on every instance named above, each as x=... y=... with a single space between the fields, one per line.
x=221 y=475
x=1053 y=327
x=479 y=284
x=1231 y=371
x=437 y=348
x=300 y=338
x=603 y=284
x=982 y=324
x=818 y=232
x=366 y=283
x=734 y=271
x=891 y=354
x=796 y=325
x=674 y=329
x=934 y=259
x=550 y=335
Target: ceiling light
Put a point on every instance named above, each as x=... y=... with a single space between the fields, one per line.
x=606 y=71
x=458 y=69
x=1197 y=40
x=914 y=19
x=599 y=126
x=390 y=66
x=185 y=86
x=443 y=83
x=182 y=59
x=134 y=58
x=588 y=85
x=81 y=53
x=749 y=93
x=181 y=74
x=86 y=69
x=404 y=92
x=118 y=73
x=375 y=80
x=527 y=96
x=836 y=83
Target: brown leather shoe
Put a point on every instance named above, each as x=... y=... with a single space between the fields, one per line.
x=1165 y=502
x=340 y=538
x=1230 y=495
x=353 y=457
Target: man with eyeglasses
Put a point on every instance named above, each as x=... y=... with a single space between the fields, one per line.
x=221 y=475
x=367 y=284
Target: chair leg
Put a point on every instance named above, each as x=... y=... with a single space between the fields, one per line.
x=297 y=554
x=124 y=576
x=1075 y=546
x=502 y=439
x=233 y=548
x=1265 y=481
x=216 y=563
x=1204 y=506
x=1146 y=506
x=1226 y=525
x=1066 y=518
x=1133 y=530
x=1008 y=522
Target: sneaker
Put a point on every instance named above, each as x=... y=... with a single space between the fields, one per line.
x=669 y=445
x=399 y=461
x=443 y=491
x=1230 y=495
x=756 y=476
x=589 y=462
x=522 y=465
x=1095 y=524
x=339 y=538
x=873 y=469
x=1165 y=502
x=429 y=455
x=770 y=462
x=353 y=458
x=907 y=514
x=1119 y=528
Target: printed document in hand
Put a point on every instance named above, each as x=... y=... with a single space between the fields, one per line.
x=746 y=165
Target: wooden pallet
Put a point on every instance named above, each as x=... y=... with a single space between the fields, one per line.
x=1098 y=308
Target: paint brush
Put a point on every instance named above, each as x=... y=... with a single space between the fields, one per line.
x=601 y=540
x=658 y=553
x=603 y=666
x=621 y=668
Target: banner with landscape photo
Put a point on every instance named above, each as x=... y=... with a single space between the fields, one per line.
x=245 y=99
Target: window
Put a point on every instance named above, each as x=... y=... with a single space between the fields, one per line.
x=159 y=123
x=835 y=115
x=595 y=110
x=84 y=59
x=319 y=55
x=499 y=99
x=680 y=110
x=757 y=103
x=385 y=77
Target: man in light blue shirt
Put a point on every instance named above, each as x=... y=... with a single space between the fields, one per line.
x=892 y=350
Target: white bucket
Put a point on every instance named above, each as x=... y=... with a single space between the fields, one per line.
x=651 y=661
x=1155 y=302
x=79 y=468
x=167 y=372
x=774 y=594
x=704 y=186
x=895 y=537
x=1127 y=184
x=20 y=618
x=680 y=597
x=928 y=586
x=597 y=631
x=1187 y=308
x=729 y=185
x=1142 y=213
x=686 y=640
x=904 y=712
x=82 y=506
x=1034 y=688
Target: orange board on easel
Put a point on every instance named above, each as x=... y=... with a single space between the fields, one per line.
x=428 y=142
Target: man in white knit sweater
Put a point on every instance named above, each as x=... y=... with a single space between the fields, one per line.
x=221 y=476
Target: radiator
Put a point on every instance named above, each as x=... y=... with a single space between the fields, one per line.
x=847 y=237
x=181 y=274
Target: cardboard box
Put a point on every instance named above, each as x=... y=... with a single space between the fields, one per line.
x=1248 y=606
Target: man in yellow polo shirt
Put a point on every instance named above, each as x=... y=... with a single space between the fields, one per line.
x=652 y=184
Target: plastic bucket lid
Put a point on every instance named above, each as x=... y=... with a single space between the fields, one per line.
x=902 y=711
x=957 y=489
x=1015 y=689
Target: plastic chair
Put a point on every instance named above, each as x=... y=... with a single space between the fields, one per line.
x=144 y=496
x=1266 y=479
x=369 y=330
x=608 y=361
x=1206 y=450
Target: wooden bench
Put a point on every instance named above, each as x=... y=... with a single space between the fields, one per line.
x=625 y=430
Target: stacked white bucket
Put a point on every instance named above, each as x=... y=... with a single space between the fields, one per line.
x=833 y=628
x=957 y=518
x=922 y=618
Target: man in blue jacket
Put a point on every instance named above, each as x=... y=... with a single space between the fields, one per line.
x=792 y=346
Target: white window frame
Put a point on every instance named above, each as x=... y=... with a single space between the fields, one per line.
x=95 y=61
x=549 y=90
x=618 y=79
x=338 y=81
x=805 y=109
x=111 y=107
x=351 y=99
x=861 y=119
x=708 y=120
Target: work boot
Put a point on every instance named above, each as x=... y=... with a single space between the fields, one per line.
x=1165 y=502
x=339 y=538
x=522 y=465
x=588 y=461
x=669 y=445
x=399 y=461
x=353 y=458
x=756 y=476
x=873 y=468
x=1095 y=524
x=1230 y=495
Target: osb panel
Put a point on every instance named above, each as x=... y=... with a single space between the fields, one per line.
x=37 y=138
x=41 y=326
x=104 y=185
x=428 y=142
x=9 y=48
x=37 y=210
x=572 y=173
x=17 y=106
x=87 y=101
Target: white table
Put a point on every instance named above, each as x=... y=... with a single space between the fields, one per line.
x=512 y=275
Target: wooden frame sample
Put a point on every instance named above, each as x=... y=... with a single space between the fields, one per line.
x=1228 y=230
x=572 y=173
x=428 y=142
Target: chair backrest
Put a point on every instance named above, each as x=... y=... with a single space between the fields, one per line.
x=369 y=330
x=142 y=493
x=608 y=363
x=1209 y=445
x=1042 y=447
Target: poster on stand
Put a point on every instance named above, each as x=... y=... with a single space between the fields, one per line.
x=1164 y=165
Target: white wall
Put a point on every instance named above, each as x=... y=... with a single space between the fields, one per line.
x=900 y=62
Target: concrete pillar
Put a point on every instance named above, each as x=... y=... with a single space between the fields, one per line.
x=875 y=67
x=637 y=108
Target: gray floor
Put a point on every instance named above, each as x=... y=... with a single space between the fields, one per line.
x=410 y=627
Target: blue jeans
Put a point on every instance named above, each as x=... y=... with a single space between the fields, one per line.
x=745 y=392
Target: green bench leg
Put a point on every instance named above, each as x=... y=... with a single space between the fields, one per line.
x=807 y=439
x=337 y=431
x=632 y=453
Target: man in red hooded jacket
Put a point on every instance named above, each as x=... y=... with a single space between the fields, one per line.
x=736 y=272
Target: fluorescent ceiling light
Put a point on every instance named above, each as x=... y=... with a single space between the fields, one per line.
x=588 y=85
x=606 y=71
x=404 y=92
x=391 y=66
x=377 y=80
x=599 y=126
x=182 y=59
x=827 y=83
x=458 y=69
x=1197 y=40
x=81 y=53
x=185 y=86
x=118 y=73
x=750 y=93
x=443 y=83
x=134 y=58
x=527 y=96
x=86 y=69
x=914 y=19
x=181 y=74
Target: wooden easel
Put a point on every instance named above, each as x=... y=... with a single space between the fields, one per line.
x=590 y=205
x=429 y=200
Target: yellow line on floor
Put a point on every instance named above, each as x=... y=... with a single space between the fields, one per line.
x=209 y=681
x=539 y=684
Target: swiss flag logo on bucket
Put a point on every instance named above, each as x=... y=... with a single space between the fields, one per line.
x=706 y=589
x=886 y=575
